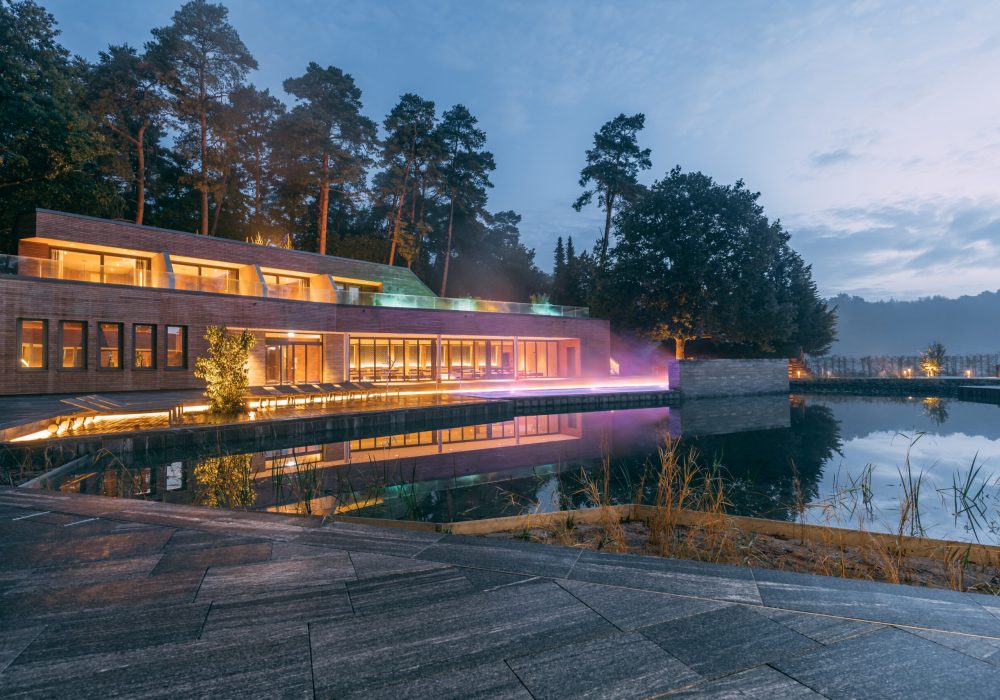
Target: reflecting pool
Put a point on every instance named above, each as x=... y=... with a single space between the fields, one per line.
x=837 y=460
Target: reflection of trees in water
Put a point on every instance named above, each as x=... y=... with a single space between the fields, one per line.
x=757 y=467
x=225 y=481
x=936 y=409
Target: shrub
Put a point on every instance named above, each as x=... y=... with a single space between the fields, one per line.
x=225 y=369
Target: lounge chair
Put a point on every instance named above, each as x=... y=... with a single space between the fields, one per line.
x=288 y=392
x=263 y=397
x=363 y=389
x=332 y=391
x=382 y=390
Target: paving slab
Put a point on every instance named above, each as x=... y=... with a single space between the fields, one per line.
x=720 y=642
x=619 y=666
x=368 y=565
x=486 y=580
x=200 y=558
x=66 y=548
x=822 y=628
x=399 y=592
x=46 y=577
x=274 y=577
x=357 y=656
x=511 y=556
x=266 y=666
x=982 y=648
x=892 y=663
x=761 y=683
x=287 y=610
x=691 y=578
x=629 y=609
x=877 y=602
x=123 y=630
x=396 y=542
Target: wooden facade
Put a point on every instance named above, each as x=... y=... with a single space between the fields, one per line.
x=584 y=343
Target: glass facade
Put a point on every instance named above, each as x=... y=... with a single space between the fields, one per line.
x=109 y=345
x=100 y=267
x=72 y=345
x=538 y=358
x=32 y=335
x=144 y=345
x=176 y=347
x=294 y=360
x=206 y=278
x=391 y=359
x=467 y=358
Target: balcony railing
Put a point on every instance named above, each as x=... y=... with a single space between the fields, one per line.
x=22 y=266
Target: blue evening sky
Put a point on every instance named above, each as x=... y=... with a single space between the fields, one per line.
x=871 y=128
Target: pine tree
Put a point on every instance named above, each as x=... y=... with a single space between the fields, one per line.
x=559 y=274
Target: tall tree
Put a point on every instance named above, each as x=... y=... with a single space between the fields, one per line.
x=123 y=97
x=340 y=139
x=200 y=59
x=465 y=172
x=410 y=140
x=612 y=170
x=49 y=145
x=558 y=295
x=695 y=260
x=258 y=110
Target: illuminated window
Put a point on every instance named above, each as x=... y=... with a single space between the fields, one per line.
x=391 y=359
x=32 y=337
x=293 y=360
x=109 y=346
x=72 y=345
x=144 y=345
x=98 y=267
x=176 y=347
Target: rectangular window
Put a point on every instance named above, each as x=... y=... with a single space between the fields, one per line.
x=109 y=346
x=72 y=345
x=144 y=345
x=32 y=337
x=176 y=347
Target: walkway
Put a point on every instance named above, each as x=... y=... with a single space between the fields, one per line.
x=102 y=597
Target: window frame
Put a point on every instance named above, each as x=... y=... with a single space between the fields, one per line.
x=121 y=346
x=45 y=344
x=184 y=349
x=84 y=349
x=152 y=348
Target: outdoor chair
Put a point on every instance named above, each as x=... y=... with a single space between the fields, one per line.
x=334 y=391
x=382 y=390
x=364 y=389
x=264 y=398
x=287 y=392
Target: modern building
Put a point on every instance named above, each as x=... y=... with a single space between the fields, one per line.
x=90 y=305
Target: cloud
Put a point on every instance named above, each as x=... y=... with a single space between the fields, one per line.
x=840 y=155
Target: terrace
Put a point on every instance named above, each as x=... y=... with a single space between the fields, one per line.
x=260 y=283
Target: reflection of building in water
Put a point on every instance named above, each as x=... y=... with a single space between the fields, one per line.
x=520 y=443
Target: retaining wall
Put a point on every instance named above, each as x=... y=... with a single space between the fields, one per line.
x=705 y=378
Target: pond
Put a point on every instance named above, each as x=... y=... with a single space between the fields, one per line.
x=824 y=459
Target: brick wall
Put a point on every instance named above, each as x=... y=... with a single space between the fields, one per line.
x=702 y=378
x=56 y=300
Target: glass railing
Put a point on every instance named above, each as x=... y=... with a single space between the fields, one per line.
x=22 y=266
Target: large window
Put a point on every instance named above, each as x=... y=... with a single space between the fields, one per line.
x=463 y=358
x=206 y=278
x=109 y=346
x=144 y=345
x=391 y=359
x=72 y=345
x=176 y=347
x=99 y=267
x=538 y=358
x=33 y=340
x=293 y=360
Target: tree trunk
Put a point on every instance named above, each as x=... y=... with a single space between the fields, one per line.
x=218 y=211
x=140 y=179
x=204 y=155
x=324 y=206
x=678 y=348
x=447 y=249
x=609 y=202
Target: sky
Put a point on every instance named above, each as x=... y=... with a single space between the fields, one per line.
x=871 y=129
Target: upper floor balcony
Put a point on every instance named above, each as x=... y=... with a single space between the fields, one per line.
x=253 y=281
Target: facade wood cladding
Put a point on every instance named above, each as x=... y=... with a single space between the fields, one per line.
x=58 y=300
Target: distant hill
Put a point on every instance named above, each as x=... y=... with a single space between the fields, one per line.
x=967 y=325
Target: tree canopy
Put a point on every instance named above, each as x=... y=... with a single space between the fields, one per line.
x=698 y=260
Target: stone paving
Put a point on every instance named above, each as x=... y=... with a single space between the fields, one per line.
x=103 y=597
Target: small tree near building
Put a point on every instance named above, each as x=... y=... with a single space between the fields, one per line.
x=932 y=359
x=226 y=369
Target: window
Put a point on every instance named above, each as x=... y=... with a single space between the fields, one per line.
x=109 y=346
x=144 y=345
x=206 y=278
x=293 y=360
x=32 y=337
x=72 y=345
x=97 y=267
x=538 y=358
x=391 y=359
x=176 y=347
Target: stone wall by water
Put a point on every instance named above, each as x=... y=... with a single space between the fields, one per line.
x=705 y=378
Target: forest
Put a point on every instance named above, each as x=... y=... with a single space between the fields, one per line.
x=173 y=134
